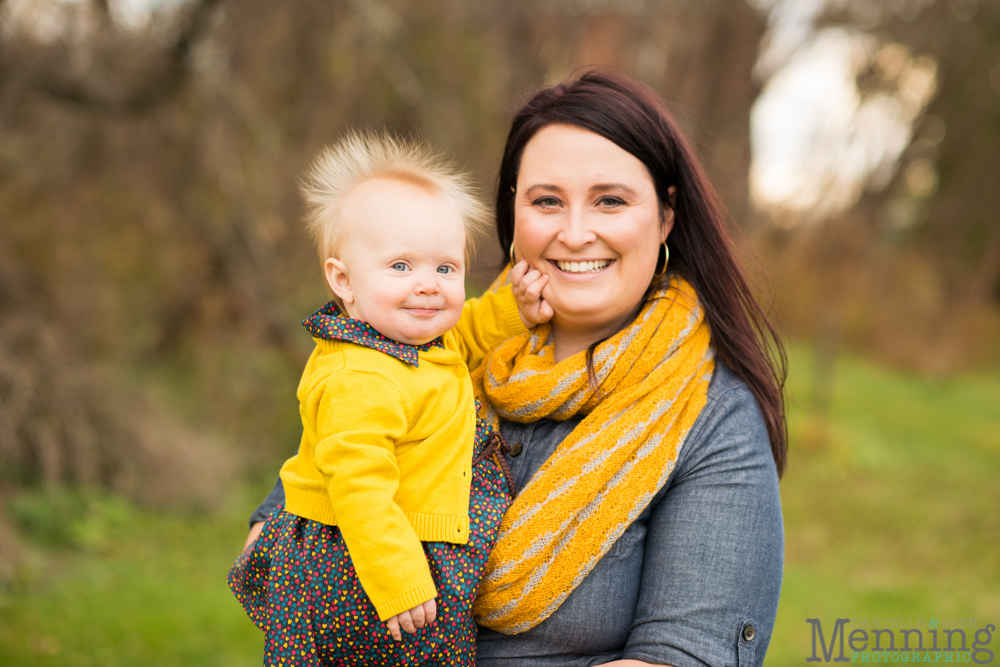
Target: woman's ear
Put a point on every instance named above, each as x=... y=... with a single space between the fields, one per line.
x=338 y=280
x=667 y=223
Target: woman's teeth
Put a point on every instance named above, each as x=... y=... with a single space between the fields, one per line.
x=583 y=267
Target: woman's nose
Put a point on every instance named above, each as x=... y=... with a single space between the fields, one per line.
x=576 y=232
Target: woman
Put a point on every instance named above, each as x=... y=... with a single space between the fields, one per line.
x=646 y=420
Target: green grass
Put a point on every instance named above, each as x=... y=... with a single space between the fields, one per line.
x=890 y=512
x=891 y=503
x=119 y=586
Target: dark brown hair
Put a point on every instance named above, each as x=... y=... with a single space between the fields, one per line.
x=632 y=116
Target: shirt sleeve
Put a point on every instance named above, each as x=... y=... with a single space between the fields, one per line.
x=355 y=452
x=714 y=548
x=275 y=498
x=485 y=323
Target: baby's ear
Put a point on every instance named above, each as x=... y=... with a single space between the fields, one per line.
x=339 y=281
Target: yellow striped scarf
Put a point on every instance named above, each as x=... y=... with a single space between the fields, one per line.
x=654 y=377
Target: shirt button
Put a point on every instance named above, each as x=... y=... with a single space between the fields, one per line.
x=460 y=371
x=749 y=633
x=515 y=449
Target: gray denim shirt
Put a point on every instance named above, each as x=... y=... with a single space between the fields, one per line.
x=693 y=581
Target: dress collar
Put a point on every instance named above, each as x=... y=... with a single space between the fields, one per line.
x=327 y=323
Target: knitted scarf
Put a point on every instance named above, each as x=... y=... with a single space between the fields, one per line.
x=653 y=378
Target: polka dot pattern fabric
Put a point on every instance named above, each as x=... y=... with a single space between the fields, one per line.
x=298 y=585
x=326 y=323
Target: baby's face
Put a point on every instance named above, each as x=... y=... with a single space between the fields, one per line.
x=404 y=256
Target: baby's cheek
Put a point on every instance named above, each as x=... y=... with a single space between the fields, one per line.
x=454 y=314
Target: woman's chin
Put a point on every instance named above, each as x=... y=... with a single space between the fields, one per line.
x=597 y=320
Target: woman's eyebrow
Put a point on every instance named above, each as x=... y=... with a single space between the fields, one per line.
x=600 y=187
x=620 y=187
x=542 y=186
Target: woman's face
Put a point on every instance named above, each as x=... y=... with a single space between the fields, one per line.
x=587 y=216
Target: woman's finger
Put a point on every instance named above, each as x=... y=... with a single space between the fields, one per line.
x=254 y=534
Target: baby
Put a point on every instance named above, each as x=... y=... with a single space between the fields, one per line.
x=393 y=500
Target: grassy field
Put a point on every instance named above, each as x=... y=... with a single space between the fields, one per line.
x=116 y=586
x=894 y=513
x=890 y=509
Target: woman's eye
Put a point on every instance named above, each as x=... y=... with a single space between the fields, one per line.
x=399 y=266
x=445 y=269
x=546 y=202
x=610 y=202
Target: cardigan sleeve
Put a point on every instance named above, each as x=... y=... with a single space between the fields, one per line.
x=485 y=323
x=264 y=510
x=355 y=452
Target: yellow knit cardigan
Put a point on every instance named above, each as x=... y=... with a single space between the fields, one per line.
x=386 y=449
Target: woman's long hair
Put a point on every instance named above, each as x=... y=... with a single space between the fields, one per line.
x=629 y=114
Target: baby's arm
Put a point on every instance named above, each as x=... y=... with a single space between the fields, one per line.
x=496 y=316
x=356 y=437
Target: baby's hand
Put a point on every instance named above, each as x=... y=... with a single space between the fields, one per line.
x=411 y=619
x=527 y=286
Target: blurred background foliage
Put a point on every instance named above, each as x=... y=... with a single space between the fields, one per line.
x=153 y=272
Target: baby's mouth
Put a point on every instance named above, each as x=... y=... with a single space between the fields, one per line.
x=589 y=266
x=423 y=312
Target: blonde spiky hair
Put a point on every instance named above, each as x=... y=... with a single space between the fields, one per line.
x=358 y=157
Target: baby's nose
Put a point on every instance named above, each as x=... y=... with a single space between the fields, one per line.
x=428 y=285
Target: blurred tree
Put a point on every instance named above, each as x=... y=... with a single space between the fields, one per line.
x=148 y=164
x=912 y=271
x=98 y=64
x=944 y=195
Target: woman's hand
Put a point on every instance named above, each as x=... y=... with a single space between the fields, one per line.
x=527 y=286
x=411 y=619
x=254 y=534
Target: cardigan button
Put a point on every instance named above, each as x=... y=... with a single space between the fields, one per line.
x=516 y=448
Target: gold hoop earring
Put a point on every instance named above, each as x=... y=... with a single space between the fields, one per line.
x=666 y=258
x=512 y=262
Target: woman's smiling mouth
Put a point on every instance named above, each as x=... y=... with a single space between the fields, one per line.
x=588 y=266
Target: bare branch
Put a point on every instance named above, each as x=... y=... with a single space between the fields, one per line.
x=164 y=75
x=103 y=9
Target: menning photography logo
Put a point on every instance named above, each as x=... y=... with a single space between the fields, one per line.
x=903 y=640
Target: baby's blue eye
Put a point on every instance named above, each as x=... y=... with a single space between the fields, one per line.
x=445 y=269
x=399 y=266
